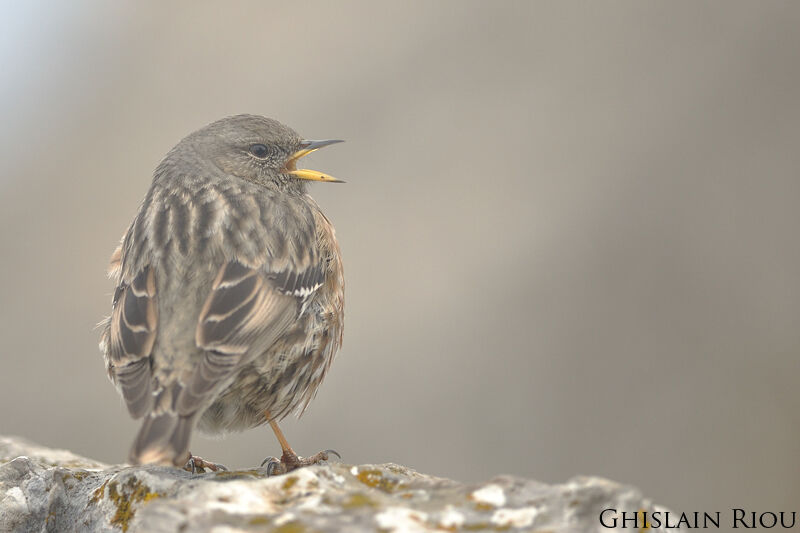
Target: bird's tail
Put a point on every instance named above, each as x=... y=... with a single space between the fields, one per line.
x=163 y=439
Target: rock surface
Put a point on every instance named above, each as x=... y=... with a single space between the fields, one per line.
x=44 y=489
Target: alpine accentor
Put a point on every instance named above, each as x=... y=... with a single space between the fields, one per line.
x=229 y=303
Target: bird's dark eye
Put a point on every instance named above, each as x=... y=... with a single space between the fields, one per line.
x=259 y=150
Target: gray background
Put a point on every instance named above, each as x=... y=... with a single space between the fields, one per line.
x=569 y=229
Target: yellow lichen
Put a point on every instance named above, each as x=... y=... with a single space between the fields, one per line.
x=358 y=499
x=483 y=526
x=478 y=526
x=290 y=527
x=124 y=497
x=290 y=482
x=238 y=474
x=376 y=480
x=80 y=475
x=97 y=495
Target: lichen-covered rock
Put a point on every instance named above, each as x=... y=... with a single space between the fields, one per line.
x=54 y=490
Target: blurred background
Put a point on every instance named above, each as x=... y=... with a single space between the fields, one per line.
x=570 y=229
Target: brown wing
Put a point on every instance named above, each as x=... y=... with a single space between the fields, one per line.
x=246 y=311
x=132 y=334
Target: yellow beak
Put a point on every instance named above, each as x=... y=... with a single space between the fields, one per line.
x=306 y=147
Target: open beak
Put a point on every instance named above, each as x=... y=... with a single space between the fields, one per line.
x=306 y=147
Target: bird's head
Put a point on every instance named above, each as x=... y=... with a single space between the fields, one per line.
x=257 y=149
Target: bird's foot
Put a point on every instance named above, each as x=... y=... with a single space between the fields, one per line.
x=290 y=461
x=197 y=465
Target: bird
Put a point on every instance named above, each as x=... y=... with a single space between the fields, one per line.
x=229 y=301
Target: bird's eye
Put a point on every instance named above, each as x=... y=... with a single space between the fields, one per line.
x=259 y=150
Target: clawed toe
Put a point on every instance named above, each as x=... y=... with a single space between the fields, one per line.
x=290 y=461
x=316 y=458
x=269 y=460
x=273 y=466
x=197 y=464
x=332 y=452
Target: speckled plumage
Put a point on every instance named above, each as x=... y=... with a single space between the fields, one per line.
x=230 y=291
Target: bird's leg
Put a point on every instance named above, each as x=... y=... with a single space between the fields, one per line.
x=197 y=464
x=289 y=459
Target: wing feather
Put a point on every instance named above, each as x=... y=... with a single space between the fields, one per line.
x=132 y=334
x=245 y=312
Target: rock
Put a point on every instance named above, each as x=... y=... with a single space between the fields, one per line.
x=43 y=489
